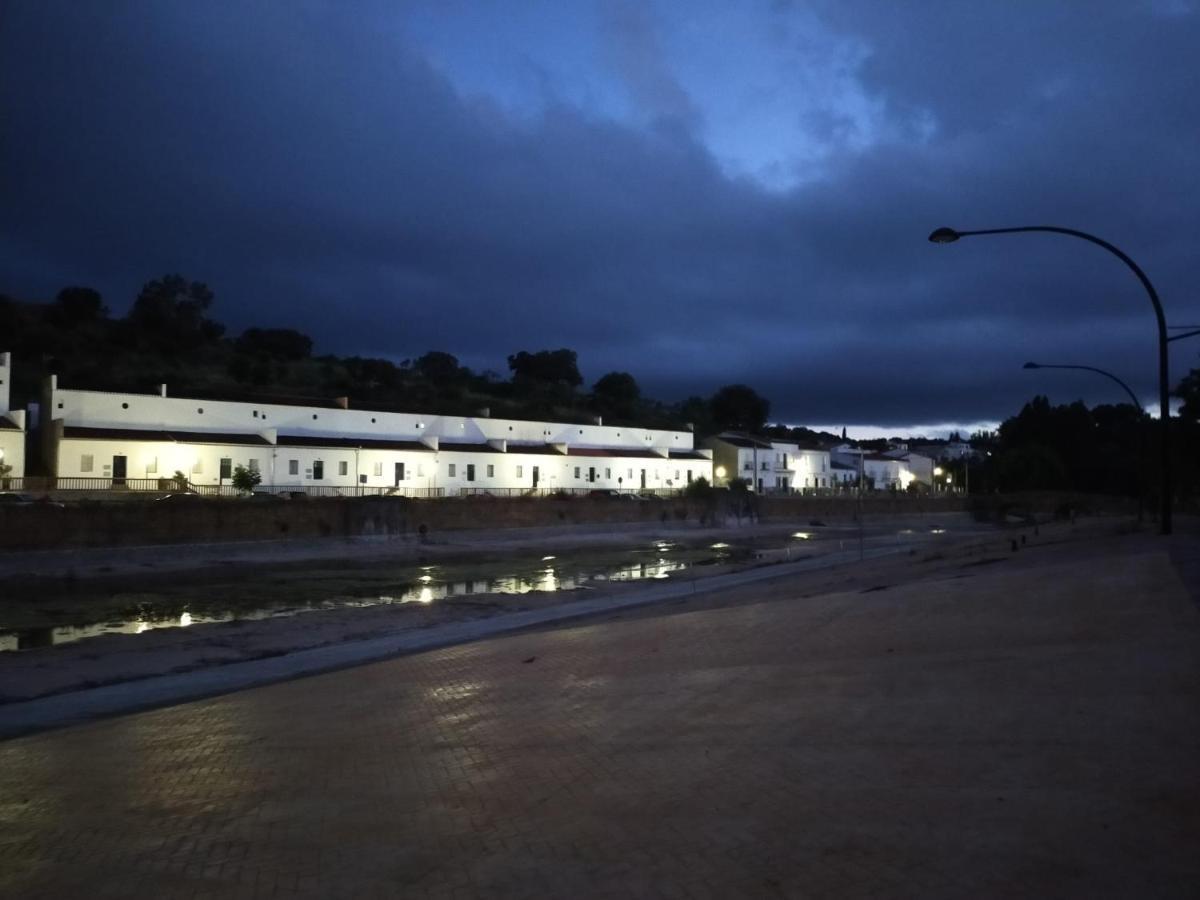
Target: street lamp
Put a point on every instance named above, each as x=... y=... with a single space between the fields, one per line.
x=950 y=235
x=1137 y=404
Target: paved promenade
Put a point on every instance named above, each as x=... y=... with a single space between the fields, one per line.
x=1027 y=726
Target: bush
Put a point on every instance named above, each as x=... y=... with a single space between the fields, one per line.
x=699 y=489
x=245 y=480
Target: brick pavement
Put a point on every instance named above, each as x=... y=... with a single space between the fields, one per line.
x=1030 y=728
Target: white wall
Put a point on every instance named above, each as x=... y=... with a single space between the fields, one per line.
x=423 y=469
x=5 y=381
x=12 y=451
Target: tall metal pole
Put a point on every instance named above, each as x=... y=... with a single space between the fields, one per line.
x=949 y=235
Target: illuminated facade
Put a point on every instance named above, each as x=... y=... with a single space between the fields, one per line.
x=12 y=427
x=128 y=438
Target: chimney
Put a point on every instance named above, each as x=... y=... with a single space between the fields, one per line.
x=162 y=390
x=690 y=426
x=485 y=412
x=342 y=402
x=599 y=420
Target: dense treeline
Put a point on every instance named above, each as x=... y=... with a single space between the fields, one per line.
x=169 y=337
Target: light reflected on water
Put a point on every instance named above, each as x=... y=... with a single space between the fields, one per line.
x=803 y=535
x=428 y=587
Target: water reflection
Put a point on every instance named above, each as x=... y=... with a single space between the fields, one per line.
x=428 y=587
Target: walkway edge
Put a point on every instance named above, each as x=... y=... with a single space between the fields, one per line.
x=77 y=707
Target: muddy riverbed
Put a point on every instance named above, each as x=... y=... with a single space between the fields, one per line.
x=63 y=633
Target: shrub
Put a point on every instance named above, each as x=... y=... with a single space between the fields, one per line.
x=245 y=480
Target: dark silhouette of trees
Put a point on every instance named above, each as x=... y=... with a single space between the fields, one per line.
x=616 y=395
x=75 y=306
x=168 y=317
x=284 y=344
x=550 y=367
x=738 y=407
x=1188 y=390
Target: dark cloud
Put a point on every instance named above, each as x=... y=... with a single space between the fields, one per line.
x=318 y=171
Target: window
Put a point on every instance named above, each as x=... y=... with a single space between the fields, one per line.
x=577 y=471
x=252 y=465
x=520 y=471
x=676 y=474
x=607 y=474
x=630 y=475
x=200 y=410
x=764 y=466
x=293 y=467
x=420 y=470
x=152 y=466
x=453 y=469
x=378 y=470
x=226 y=468
x=470 y=471
x=748 y=466
x=318 y=469
x=491 y=470
x=343 y=468
x=198 y=467
x=87 y=463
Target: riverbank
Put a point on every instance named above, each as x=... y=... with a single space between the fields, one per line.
x=829 y=563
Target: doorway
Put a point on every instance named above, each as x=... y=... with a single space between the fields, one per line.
x=120 y=463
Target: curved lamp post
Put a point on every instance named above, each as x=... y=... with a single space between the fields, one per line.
x=950 y=235
x=1137 y=405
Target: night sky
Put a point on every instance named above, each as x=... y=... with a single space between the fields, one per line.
x=699 y=193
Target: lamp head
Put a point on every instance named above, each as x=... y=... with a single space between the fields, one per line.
x=944 y=236
x=1031 y=365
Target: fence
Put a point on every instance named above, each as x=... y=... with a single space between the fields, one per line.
x=40 y=484
x=568 y=492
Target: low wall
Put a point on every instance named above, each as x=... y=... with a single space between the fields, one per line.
x=99 y=524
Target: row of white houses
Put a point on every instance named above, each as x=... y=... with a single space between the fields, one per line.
x=132 y=439
x=771 y=466
x=150 y=440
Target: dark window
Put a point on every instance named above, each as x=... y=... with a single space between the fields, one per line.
x=226 y=468
x=470 y=471
x=318 y=470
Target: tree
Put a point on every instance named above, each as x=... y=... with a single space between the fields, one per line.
x=246 y=480
x=554 y=367
x=696 y=412
x=738 y=407
x=78 y=306
x=616 y=394
x=277 y=343
x=439 y=367
x=168 y=315
x=1188 y=390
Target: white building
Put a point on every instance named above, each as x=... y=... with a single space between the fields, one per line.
x=768 y=466
x=920 y=465
x=12 y=426
x=143 y=440
x=881 y=472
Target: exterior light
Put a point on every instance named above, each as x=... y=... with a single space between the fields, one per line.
x=720 y=472
x=944 y=236
x=937 y=470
